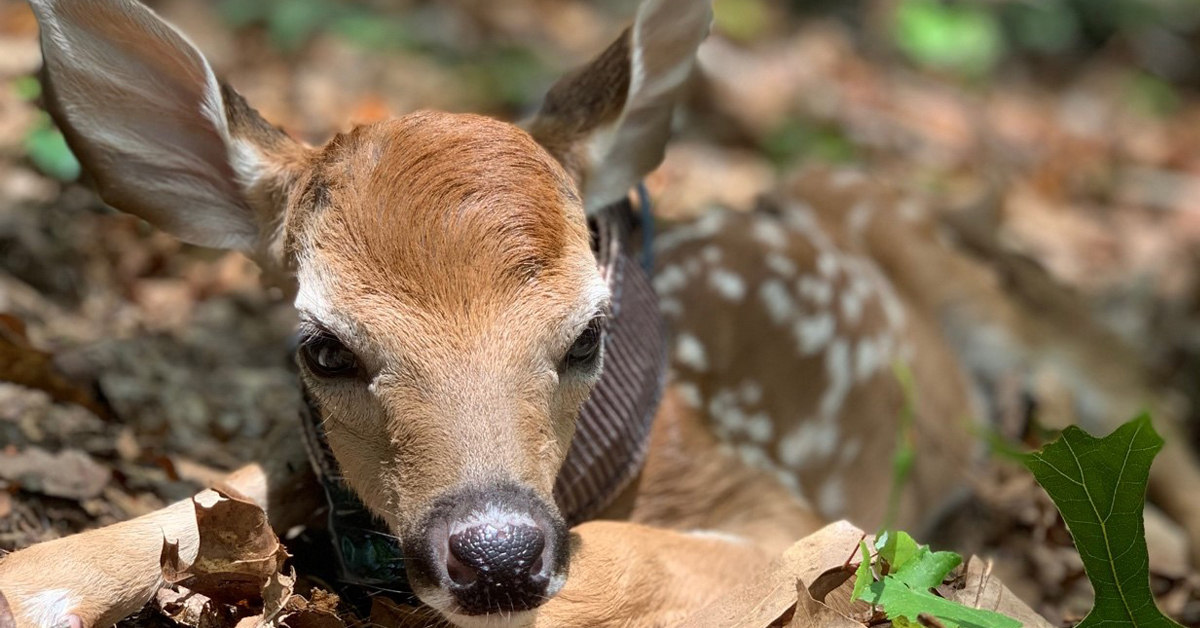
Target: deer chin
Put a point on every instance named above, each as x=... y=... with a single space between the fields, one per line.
x=444 y=603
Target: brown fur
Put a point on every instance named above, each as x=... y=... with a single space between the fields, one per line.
x=462 y=376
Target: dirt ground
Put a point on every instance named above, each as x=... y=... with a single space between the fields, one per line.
x=174 y=361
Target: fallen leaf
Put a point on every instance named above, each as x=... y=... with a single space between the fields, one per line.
x=238 y=553
x=765 y=599
x=22 y=363
x=813 y=614
x=70 y=473
x=982 y=590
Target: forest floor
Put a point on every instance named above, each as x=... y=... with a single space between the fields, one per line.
x=184 y=353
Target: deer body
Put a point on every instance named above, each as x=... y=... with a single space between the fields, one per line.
x=452 y=313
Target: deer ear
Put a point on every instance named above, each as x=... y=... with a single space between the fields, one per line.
x=608 y=122
x=143 y=112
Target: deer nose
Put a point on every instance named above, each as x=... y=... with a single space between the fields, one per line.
x=494 y=551
x=497 y=564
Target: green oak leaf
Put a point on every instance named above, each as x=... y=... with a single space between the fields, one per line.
x=927 y=568
x=900 y=600
x=1099 y=486
x=862 y=575
x=904 y=592
x=897 y=548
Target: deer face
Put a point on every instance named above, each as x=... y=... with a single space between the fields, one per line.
x=450 y=309
x=449 y=300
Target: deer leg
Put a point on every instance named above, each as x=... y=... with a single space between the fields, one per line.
x=96 y=578
x=626 y=574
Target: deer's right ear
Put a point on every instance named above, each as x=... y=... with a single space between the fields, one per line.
x=608 y=122
x=146 y=117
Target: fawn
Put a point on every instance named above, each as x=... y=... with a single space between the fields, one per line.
x=453 y=322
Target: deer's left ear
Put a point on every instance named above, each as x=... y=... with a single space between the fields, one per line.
x=608 y=122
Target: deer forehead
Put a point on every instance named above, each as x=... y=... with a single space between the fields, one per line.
x=458 y=225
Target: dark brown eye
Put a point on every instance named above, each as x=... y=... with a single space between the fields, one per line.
x=585 y=351
x=326 y=356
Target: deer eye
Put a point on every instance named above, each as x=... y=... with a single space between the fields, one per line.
x=326 y=356
x=585 y=351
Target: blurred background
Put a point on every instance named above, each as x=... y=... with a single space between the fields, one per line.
x=1081 y=119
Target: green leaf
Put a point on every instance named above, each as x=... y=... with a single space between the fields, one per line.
x=1099 y=486
x=900 y=600
x=898 y=549
x=904 y=593
x=960 y=36
x=927 y=569
x=862 y=576
x=46 y=148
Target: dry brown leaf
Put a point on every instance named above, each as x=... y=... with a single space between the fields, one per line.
x=981 y=589
x=22 y=363
x=768 y=597
x=813 y=614
x=192 y=609
x=238 y=553
x=276 y=593
x=70 y=473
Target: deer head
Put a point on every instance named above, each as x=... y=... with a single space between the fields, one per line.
x=449 y=300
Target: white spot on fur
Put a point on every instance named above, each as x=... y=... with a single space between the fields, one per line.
x=837 y=368
x=50 y=607
x=852 y=307
x=727 y=284
x=815 y=332
x=769 y=233
x=690 y=352
x=813 y=288
x=753 y=456
x=670 y=307
x=670 y=279
x=708 y=225
x=751 y=392
x=711 y=254
x=812 y=439
x=827 y=264
x=759 y=427
x=858 y=218
x=780 y=306
x=689 y=393
x=781 y=264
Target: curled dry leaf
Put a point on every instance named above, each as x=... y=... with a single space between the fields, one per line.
x=981 y=589
x=238 y=553
x=762 y=601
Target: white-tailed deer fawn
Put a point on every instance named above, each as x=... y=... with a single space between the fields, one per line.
x=452 y=321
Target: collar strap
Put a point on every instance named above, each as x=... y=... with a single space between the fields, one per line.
x=611 y=435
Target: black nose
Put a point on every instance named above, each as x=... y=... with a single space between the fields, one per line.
x=500 y=549
x=497 y=565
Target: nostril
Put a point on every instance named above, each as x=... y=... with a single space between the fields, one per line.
x=498 y=554
x=459 y=572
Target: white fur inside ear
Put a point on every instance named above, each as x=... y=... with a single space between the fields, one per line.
x=664 y=41
x=147 y=118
